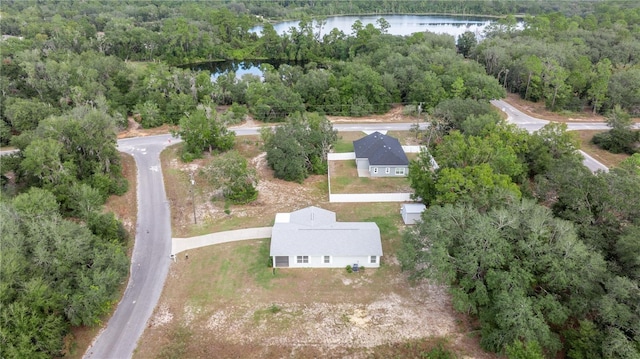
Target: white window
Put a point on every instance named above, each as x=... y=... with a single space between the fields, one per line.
x=400 y=171
x=373 y=260
x=302 y=259
x=327 y=259
x=375 y=169
x=387 y=170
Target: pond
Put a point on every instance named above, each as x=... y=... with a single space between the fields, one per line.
x=241 y=68
x=398 y=25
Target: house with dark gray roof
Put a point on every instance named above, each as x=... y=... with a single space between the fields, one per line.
x=380 y=155
x=312 y=238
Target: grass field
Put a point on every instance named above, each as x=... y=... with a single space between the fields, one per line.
x=344 y=179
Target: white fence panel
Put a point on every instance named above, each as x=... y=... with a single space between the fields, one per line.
x=341 y=156
x=412 y=149
x=369 y=197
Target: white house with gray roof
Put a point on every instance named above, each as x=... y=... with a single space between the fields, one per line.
x=312 y=238
x=381 y=156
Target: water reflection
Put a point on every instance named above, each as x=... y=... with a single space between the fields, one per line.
x=241 y=68
x=399 y=24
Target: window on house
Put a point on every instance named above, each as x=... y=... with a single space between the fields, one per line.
x=327 y=259
x=302 y=259
x=373 y=259
x=375 y=169
x=400 y=171
x=387 y=170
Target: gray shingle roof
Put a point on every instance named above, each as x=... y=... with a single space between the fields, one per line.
x=380 y=150
x=313 y=216
x=313 y=231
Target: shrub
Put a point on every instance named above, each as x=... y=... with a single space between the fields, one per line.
x=274 y=309
x=617 y=141
x=349 y=269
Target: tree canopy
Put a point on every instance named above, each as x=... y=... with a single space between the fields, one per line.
x=299 y=147
x=54 y=273
x=231 y=174
x=203 y=130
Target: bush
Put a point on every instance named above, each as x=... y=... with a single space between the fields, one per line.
x=107 y=227
x=439 y=352
x=274 y=309
x=349 y=269
x=241 y=194
x=186 y=156
x=618 y=141
x=231 y=173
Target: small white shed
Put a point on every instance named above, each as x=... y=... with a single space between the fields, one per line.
x=411 y=212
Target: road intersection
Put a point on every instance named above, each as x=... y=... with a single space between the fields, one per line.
x=533 y=124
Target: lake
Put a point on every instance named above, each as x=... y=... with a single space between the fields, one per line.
x=399 y=24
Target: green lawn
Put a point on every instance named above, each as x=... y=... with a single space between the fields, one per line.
x=344 y=179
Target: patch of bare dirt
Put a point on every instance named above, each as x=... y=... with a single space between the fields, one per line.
x=390 y=318
x=280 y=193
x=537 y=109
x=249 y=122
x=304 y=313
x=394 y=115
x=274 y=195
x=134 y=129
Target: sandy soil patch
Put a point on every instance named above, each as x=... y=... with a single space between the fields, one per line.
x=212 y=214
x=296 y=313
x=394 y=115
x=537 y=109
x=135 y=130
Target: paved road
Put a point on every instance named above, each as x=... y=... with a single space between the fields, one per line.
x=533 y=124
x=150 y=261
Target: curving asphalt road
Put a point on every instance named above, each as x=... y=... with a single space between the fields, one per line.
x=150 y=260
x=152 y=249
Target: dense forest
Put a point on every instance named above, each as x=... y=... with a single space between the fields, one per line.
x=541 y=251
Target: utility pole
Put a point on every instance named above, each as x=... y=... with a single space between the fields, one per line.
x=418 y=119
x=193 y=197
